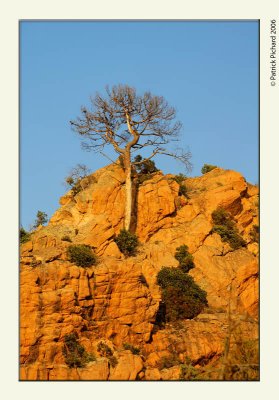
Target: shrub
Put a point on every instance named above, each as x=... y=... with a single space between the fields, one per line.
x=104 y=350
x=183 y=191
x=221 y=217
x=143 y=177
x=189 y=373
x=66 y=238
x=33 y=354
x=254 y=233
x=168 y=361
x=133 y=349
x=230 y=236
x=180 y=178
x=24 y=236
x=73 y=180
x=113 y=361
x=207 y=168
x=182 y=297
x=143 y=280
x=127 y=242
x=145 y=167
x=41 y=219
x=186 y=261
x=81 y=255
x=74 y=353
x=226 y=228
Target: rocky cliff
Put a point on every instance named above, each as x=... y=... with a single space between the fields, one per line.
x=116 y=302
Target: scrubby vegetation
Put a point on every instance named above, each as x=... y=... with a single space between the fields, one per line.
x=40 y=220
x=143 y=280
x=145 y=169
x=186 y=261
x=127 y=242
x=74 y=353
x=182 y=297
x=105 y=351
x=168 y=361
x=180 y=178
x=112 y=361
x=66 y=238
x=133 y=349
x=255 y=233
x=24 y=236
x=207 y=168
x=226 y=228
x=73 y=180
x=81 y=255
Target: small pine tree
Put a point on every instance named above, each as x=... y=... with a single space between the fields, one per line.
x=41 y=219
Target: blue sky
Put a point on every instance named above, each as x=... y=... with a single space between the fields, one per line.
x=207 y=70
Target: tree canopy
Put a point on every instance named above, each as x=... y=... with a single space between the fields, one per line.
x=129 y=123
x=126 y=121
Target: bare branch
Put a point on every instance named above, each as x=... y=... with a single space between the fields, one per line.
x=129 y=122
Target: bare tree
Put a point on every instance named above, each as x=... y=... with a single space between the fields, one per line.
x=129 y=123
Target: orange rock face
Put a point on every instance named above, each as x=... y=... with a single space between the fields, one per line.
x=117 y=300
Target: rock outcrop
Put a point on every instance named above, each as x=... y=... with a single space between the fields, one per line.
x=117 y=300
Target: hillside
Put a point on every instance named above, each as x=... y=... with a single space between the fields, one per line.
x=116 y=302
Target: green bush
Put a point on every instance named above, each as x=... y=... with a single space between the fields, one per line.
x=230 y=236
x=24 y=236
x=66 y=238
x=127 y=242
x=112 y=361
x=183 y=191
x=255 y=233
x=189 y=373
x=81 y=255
x=74 y=353
x=133 y=349
x=226 y=228
x=145 y=166
x=207 y=168
x=186 y=261
x=180 y=178
x=41 y=219
x=104 y=350
x=143 y=280
x=222 y=217
x=143 y=177
x=145 y=170
x=182 y=297
x=168 y=361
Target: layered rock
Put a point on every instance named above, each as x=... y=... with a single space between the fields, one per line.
x=118 y=299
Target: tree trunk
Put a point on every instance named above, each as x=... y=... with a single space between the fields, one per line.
x=128 y=190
